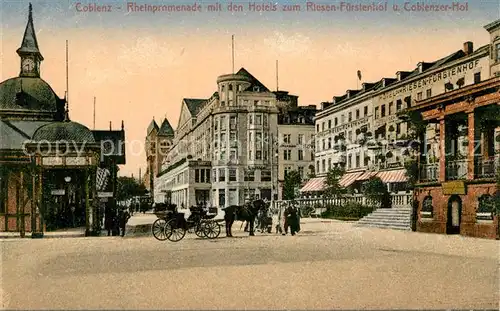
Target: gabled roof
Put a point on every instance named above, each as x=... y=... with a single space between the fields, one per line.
x=29 y=43
x=255 y=82
x=193 y=104
x=166 y=129
x=152 y=126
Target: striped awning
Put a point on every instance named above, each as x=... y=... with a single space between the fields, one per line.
x=367 y=175
x=393 y=176
x=314 y=185
x=349 y=178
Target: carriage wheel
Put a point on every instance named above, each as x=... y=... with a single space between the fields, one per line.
x=158 y=229
x=174 y=233
x=199 y=230
x=212 y=229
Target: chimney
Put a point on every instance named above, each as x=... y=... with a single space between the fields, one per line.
x=468 y=48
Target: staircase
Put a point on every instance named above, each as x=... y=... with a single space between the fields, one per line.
x=392 y=218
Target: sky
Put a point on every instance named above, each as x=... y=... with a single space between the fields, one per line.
x=140 y=65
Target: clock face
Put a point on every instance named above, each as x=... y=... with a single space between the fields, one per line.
x=28 y=65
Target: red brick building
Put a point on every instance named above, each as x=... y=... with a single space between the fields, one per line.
x=454 y=193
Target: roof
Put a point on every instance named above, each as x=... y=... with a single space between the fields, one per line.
x=64 y=131
x=15 y=133
x=166 y=129
x=29 y=43
x=152 y=126
x=194 y=104
x=28 y=93
x=492 y=25
x=254 y=80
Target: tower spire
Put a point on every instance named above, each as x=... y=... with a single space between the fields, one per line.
x=66 y=112
x=29 y=45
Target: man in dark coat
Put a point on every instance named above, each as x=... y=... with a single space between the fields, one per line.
x=292 y=220
x=123 y=217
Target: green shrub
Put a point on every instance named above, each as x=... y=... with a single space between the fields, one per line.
x=349 y=210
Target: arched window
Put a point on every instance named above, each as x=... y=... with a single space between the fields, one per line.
x=427 y=208
x=485 y=207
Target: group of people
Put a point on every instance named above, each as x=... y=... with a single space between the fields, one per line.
x=288 y=219
x=115 y=220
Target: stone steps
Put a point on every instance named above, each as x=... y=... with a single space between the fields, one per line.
x=391 y=218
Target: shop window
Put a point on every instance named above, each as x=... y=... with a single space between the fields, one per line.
x=427 y=208
x=485 y=207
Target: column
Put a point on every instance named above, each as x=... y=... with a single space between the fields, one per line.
x=472 y=143
x=442 y=149
x=87 y=205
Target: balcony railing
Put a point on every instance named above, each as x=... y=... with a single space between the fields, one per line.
x=485 y=167
x=429 y=172
x=456 y=169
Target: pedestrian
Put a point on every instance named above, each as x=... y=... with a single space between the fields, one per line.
x=108 y=219
x=124 y=216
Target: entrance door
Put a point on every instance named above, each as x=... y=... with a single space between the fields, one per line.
x=454 y=215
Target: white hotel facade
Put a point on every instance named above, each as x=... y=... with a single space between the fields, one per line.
x=360 y=130
x=227 y=149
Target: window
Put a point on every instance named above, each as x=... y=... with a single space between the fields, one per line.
x=350 y=117
x=300 y=139
x=222 y=174
x=323 y=163
x=329 y=143
x=230 y=87
x=207 y=174
x=398 y=128
x=287 y=155
x=249 y=175
x=358 y=160
x=250 y=155
x=232 y=120
x=329 y=124
x=300 y=155
x=258 y=138
x=287 y=138
x=427 y=208
x=214 y=174
x=264 y=119
x=287 y=170
x=485 y=207
x=222 y=122
x=196 y=176
x=336 y=122
x=497 y=46
x=223 y=140
x=232 y=155
x=329 y=163
x=232 y=138
x=258 y=119
x=382 y=111
x=357 y=113
x=419 y=96
x=391 y=106
x=258 y=155
x=349 y=161
x=250 y=119
x=232 y=175
x=223 y=155
x=317 y=128
x=477 y=77
x=365 y=111
x=376 y=112
x=399 y=104
x=428 y=93
x=250 y=137
x=323 y=141
x=265 y=175
x=317 y=166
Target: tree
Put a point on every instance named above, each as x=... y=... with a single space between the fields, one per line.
x=411 y=171
x=333 y=189
x=376 y=191
x=128 y=187
x=292 y=181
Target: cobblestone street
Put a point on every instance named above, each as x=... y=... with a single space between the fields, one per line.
x=329 y=265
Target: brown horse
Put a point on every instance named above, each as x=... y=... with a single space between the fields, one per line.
x=247 y=212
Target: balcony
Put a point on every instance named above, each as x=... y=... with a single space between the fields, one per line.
x=429 y=172
x=485 y=167
x=456 y=169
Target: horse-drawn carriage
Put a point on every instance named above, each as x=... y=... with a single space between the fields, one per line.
x=172 y=225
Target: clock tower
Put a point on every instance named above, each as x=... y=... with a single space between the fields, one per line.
x=28 y=52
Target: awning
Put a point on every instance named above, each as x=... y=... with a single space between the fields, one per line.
x=367 y=175
x=393 y=176
x=314 y=185
x=349 y=178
